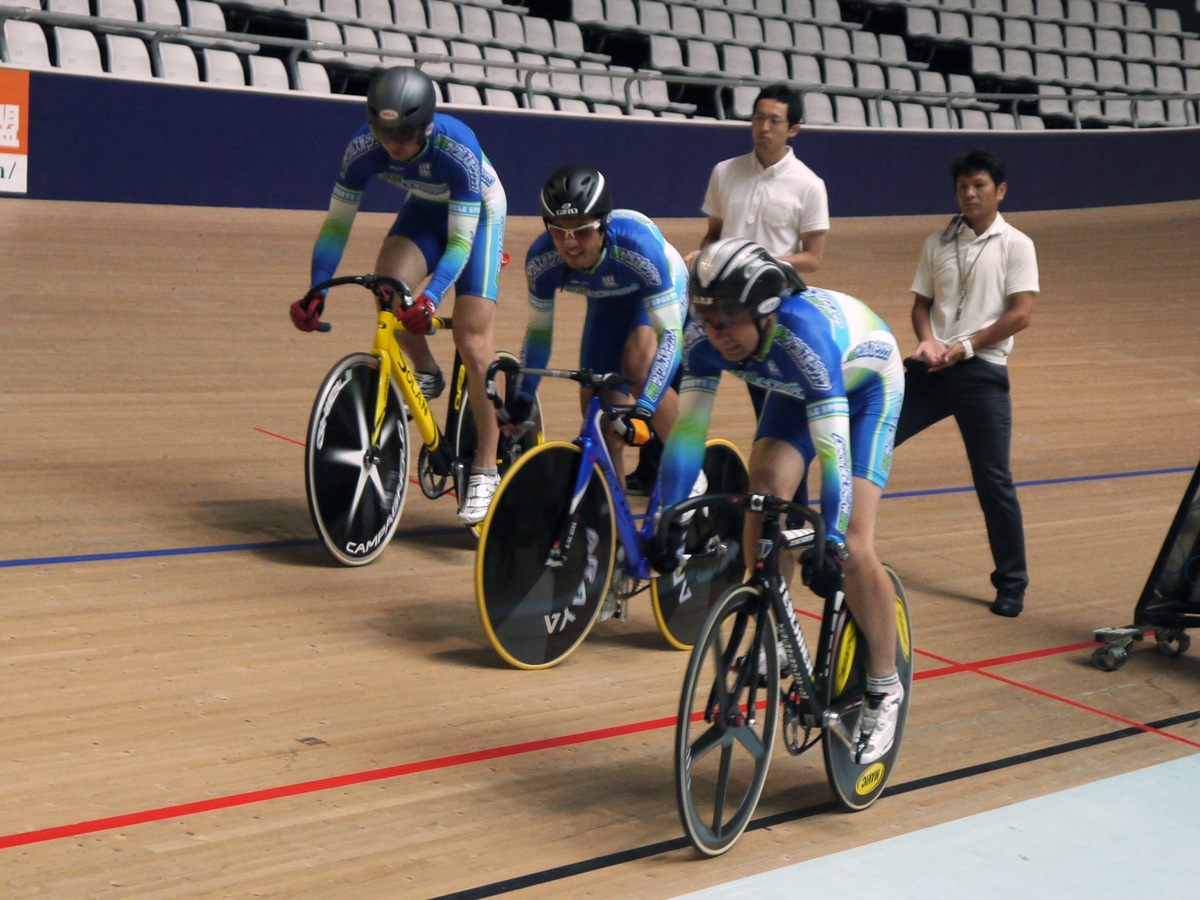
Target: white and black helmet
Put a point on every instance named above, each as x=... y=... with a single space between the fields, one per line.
x=401 y=97
x=576 y=190
x=735 y=272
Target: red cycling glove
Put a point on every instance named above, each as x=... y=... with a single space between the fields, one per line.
x=418 y=318
x=306 y=312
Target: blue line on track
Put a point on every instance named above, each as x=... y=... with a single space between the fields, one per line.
x=1040 y=482
x=436 y=532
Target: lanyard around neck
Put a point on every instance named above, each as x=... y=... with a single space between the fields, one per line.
x=965 y=277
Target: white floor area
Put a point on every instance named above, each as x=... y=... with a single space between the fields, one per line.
x=1134 y=835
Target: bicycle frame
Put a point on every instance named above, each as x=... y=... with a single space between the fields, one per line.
x=595 y=451
x=810 y=677
x=392 y=362
x=387 y=350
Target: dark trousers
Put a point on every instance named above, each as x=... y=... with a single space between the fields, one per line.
x=976 y=393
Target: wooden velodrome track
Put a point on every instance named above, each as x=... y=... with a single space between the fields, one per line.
x=198 y=703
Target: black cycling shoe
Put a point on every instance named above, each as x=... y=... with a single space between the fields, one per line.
x=638 y=485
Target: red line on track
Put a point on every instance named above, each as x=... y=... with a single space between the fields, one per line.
x=280 y=436
x=325 y=784
x=978 y=668
x=308 y=787
x=411 y=480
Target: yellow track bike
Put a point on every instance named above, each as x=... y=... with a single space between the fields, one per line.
x=357 y=454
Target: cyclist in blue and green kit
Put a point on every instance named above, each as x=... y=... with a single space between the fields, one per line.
x=835 y=384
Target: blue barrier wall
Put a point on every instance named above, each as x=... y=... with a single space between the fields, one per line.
x=104 y=139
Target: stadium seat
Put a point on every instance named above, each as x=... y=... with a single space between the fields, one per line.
x=466 y=72
x=443 y=18
x=161 y=12
x=463 y=95
x=772 y=64
x=25 y=44
x=849 y=111
x=76 y=50
x=817 y=109
x=267 y=73
x=376 y=12
x=128 y=57
x=117 y=9
x=974 y=119
x=340 y=9
x=223 y=67
x=177 y=62
x=913 y=115
x=312 y=77
x=882 y=114
x=411 y=16
x=401 y=43
x=500 y=99
x=361 y=36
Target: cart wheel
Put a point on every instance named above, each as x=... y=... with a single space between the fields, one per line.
x=1110 y=657
x=1172 y=641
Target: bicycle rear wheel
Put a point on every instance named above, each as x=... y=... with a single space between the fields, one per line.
x=535 y=615
x=356 y=491
x=683 y=599
x=466 y=437
x=726 y=725
x=857 y=786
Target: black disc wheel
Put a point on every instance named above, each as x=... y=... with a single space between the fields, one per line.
x=356 y=486
x=858 y=786
x=682 y=600
x=726 y=725
x=535 y=613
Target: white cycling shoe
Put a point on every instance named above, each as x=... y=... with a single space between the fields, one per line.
x=481 y=488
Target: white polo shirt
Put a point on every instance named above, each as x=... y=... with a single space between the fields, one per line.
x=992 y=266
x=772 y=206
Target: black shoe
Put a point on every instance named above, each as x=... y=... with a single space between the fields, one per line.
x=1005 y=605
x=637 y=485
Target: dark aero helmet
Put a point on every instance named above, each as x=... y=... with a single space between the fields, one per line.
x=401 y=97
x=735 y=272
x=576 y=191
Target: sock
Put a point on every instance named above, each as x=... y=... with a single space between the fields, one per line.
x=476 y=470
x=882 y=684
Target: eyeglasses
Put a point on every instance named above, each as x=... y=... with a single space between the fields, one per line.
x=579 y=232
x=407 y=134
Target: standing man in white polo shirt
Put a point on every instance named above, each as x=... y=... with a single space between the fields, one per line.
x=973 y=291
x=767 y=196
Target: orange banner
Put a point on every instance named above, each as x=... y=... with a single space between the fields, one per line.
x=14 y=130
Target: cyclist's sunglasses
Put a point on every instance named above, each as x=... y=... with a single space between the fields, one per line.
x=409 y=134
x=579 y=232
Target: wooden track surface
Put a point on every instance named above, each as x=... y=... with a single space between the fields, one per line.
x=203 y=705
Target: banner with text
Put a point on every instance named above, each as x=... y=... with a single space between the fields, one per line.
x=14 y=131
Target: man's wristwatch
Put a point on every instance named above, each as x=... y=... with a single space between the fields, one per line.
x=968 y=350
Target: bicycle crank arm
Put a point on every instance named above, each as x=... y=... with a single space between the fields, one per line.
x=837 y=720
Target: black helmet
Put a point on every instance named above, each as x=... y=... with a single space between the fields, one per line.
x=735 y=272
x=576 y=191
x=401 y=97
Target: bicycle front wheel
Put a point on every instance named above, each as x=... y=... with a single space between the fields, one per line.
x=726 y=725
x=356 y=488
x=715 y=563
x=857 y=786
x=536 y=614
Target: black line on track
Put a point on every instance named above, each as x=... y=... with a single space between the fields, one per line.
x=558 y=873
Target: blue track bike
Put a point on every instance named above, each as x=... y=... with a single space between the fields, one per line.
x=560 y=534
